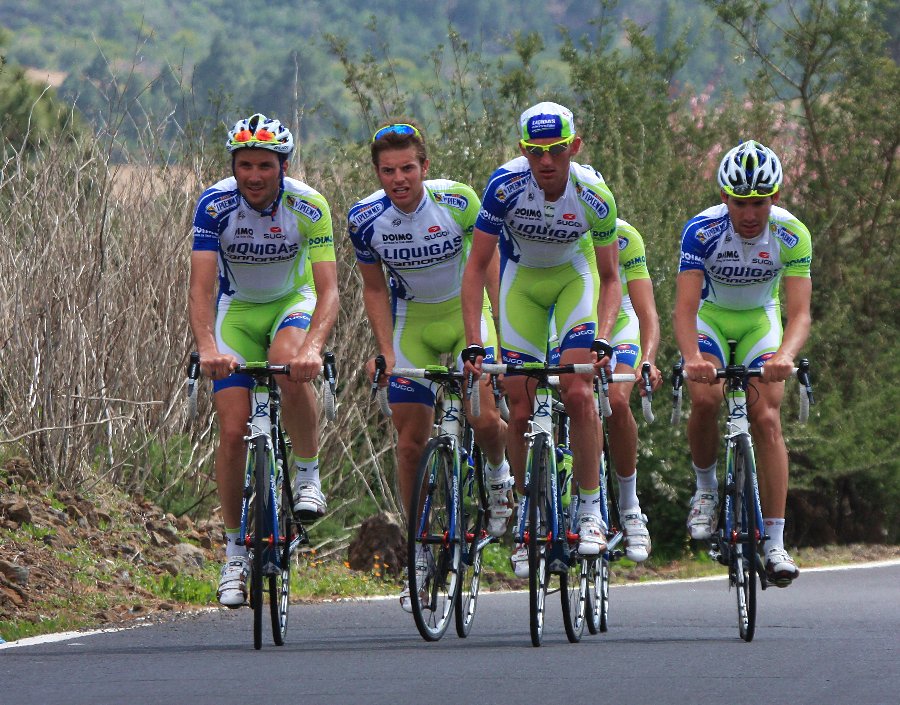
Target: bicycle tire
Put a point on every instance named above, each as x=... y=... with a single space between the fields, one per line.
x=257 y=522
x=432 y=524
x=473 y=509
x=597 y=607
x=280 y=583
x=538 y=531
x=574 y=583
x=744 y=555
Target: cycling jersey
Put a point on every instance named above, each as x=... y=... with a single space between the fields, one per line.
x=740 y=273
x=264 y=256
x=626 y=333
x=547 y=256
x=536 y=233
x=424 y=251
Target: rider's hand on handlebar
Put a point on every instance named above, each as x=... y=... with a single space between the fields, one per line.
x=604 y=352
x=306 y=365
x=385 y=376
x=472 y=357
x=216 y=365
x=700 y=370
x=656 y=378
x=777 y=368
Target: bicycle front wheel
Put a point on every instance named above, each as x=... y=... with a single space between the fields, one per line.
x=473 y=506
x=574 y=582
x=744 y=536
x=280 y=582
x=257 y=523
x=433 y=542
x=539 y=498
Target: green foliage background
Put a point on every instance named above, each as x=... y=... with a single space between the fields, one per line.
x=659 y=91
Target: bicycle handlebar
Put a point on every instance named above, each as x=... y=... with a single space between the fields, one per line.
x=431 y=374
x=741 y=373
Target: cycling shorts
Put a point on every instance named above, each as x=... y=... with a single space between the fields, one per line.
x=424 y=333
x=246 y=329
x=758 y=332
x=528 y=295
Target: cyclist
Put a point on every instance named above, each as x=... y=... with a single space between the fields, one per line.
x=734 y=258
x=419 y=230
x=635 y=341
x=268 y=239
x=555 y=221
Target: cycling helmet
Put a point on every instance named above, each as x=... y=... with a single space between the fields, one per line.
x=750 y=169
x=260 y=132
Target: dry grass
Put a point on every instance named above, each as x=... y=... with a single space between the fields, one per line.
x=95 y=338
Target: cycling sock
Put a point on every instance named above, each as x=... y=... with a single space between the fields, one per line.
x=590 y=502
x=706 y=477
x=497 y=472
x=628 y=498
x=307 y=470
x=231 y=546
x=775 y=531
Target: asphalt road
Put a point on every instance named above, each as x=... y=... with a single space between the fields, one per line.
x=833 y=637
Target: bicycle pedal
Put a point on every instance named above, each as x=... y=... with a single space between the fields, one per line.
x=616 y=554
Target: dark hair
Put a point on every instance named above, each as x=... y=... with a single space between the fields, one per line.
x=392 y=140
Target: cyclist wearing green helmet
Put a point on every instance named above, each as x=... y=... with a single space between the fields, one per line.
x=734 y=259
x=268 y=240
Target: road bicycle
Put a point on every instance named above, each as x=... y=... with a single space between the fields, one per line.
x=447 y=516
x=547 y=521
x=597 y=606
x=740 y=536
x=270 y=529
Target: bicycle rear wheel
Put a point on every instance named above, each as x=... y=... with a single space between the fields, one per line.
x=473 y=506
x=434 y=526
x=744 y=536
x=256 y=522
x=280 y=583
x=538 y=532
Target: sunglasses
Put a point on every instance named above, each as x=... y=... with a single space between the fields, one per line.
x=745 y=190
x=398 y=129
x=261 y=135
x=555 y=148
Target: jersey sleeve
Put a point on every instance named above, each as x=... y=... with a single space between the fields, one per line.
x=600 y=207
x=632 y=256
x=212 y=209
x=314 y=218
x=796 y=248
x=494 y=203
x=693 y=254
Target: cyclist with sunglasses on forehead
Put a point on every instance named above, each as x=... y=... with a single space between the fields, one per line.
x=268 y=240
x=734 y=259
x=419 y=232
x=554 y=221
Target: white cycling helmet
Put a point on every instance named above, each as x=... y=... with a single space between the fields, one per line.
x=260 y=132
x=750 y=169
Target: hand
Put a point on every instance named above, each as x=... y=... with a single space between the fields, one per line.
x=472 y=357
x=700 y=370
x=386 y=374
x=604 y=352
x=656 y=378
x=305 y=366
x=777 y=368
x=216 y=365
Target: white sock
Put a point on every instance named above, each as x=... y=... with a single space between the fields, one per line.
x=706 y=477
x=497 y=472
x=307 y=471
x=590 y=503
x=628 y=498
x=231 y=546
x=774 y=528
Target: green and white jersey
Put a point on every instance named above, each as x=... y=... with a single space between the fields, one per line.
x=632 y=259
x=424 y=251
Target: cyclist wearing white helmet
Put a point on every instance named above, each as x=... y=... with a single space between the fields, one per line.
x=268 y=240
x=734 y=259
